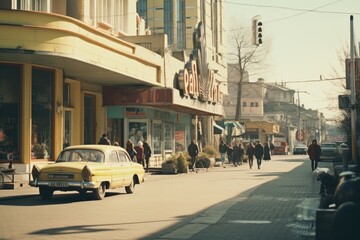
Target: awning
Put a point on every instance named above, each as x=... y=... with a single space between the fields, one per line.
x=217 y=128
x=235 y=128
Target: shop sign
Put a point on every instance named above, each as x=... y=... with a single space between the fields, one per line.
x=135 y=112
x=197 y=80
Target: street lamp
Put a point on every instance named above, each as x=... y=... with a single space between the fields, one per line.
x=299 y=138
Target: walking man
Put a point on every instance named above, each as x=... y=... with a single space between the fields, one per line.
x=259 y=153
x=314 y=152
x=193 y=151
x=222 y=150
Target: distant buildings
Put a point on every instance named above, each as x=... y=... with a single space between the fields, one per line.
x=270 y=112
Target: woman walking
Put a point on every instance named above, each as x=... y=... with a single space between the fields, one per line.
x=267 y=151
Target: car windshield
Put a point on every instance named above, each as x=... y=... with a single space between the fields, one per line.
x=328 y=145
x=81 y=155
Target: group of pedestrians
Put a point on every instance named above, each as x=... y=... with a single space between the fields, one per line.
x=140 y=153
x=235 y=153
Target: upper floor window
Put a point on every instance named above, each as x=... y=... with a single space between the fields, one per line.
x=34 y=5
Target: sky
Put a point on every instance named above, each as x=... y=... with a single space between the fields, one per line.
x=305 y=40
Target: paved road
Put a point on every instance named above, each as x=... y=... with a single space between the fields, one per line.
x=276 y=202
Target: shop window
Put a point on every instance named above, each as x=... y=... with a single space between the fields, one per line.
x=42 y=113
x=137 y=131
x=10 y=78
x=157 y=137
x=169 y=136
x=66 y=95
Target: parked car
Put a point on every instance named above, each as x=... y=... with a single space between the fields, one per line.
x=88 y=168
x=300 y=149
x=342 y=150
x=328 y=151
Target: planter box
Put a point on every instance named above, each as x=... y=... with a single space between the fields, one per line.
x=168 y=168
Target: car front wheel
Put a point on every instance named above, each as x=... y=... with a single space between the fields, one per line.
x=45 y=193
x=130 y=189
x=99 y=193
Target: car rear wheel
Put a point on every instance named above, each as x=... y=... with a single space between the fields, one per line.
x=130 y=189
x=45 y=193
x=99 y=193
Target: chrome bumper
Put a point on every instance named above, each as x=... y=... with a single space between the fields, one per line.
x=57 y=184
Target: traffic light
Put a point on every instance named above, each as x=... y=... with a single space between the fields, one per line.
x=257 y=32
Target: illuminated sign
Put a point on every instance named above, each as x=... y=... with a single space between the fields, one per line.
x=197 y=80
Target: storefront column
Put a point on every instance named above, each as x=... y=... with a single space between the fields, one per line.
x=194 y=129
x=25 y=131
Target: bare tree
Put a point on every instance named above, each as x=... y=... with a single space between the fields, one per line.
x=245 y=57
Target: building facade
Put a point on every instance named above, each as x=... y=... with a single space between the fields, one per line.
x=73 y=70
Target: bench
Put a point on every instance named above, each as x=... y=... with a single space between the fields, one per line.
x=10 y=172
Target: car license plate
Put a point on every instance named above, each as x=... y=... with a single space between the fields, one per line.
x=58 y=184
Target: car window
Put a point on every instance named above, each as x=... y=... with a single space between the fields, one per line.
x=123 y=157
x=81 y=155
x=113 y=157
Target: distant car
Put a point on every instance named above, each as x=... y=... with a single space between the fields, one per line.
x=342 y=149
x=300 y=149
x=329 y=151
x=88 y=168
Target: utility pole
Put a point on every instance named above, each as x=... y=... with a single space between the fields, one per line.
x=353 y=93
x=299 y=124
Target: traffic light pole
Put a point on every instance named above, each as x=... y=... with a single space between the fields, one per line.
x=353 y=93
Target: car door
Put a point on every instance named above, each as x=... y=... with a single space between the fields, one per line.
x=126 y=165
x=115 y=170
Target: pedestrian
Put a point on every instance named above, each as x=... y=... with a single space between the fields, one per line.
x=193 y=151
x=259 y=153
x=229 y=153
x=131 y=151
x=104 y=140
x=222 y=150
x=140 y=158
x=250 y=153
x=314 y=152
x=236 y=155
x=242 y=153
x=267 y=152
x=147 y=153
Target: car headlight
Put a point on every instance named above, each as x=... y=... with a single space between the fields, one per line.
x=86 y=173
x=35 y=172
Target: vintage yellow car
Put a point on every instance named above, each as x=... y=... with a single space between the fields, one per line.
x=88 y=168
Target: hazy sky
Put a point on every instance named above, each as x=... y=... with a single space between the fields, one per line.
x=306 y=37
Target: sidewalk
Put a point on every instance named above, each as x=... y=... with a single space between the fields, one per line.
x=284 y=208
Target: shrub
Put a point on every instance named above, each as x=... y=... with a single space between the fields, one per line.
x=211 y=151
x=179 y=161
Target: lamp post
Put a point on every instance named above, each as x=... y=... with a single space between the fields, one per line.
x=299 y=107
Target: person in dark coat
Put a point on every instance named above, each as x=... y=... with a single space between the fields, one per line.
x=104 y=140
x=130 y=149
x=250 y=151
x=229 y=153
x=193 y=151
x=314 y=152
x=236 y=155
x=259 y=153
x=242 y=153
x=267 y=152
x=147 y=152
x=140 y=156
x=222 y=150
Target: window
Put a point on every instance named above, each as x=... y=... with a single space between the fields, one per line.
x=157 y=137
x=89 y=119
x=34 y=5
x=41 y=112
x=113 y=158
x=169 y=136
x=254 y=104
x=168 y=21
x=180 y=21
x=244 y=104
x=10 y=78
